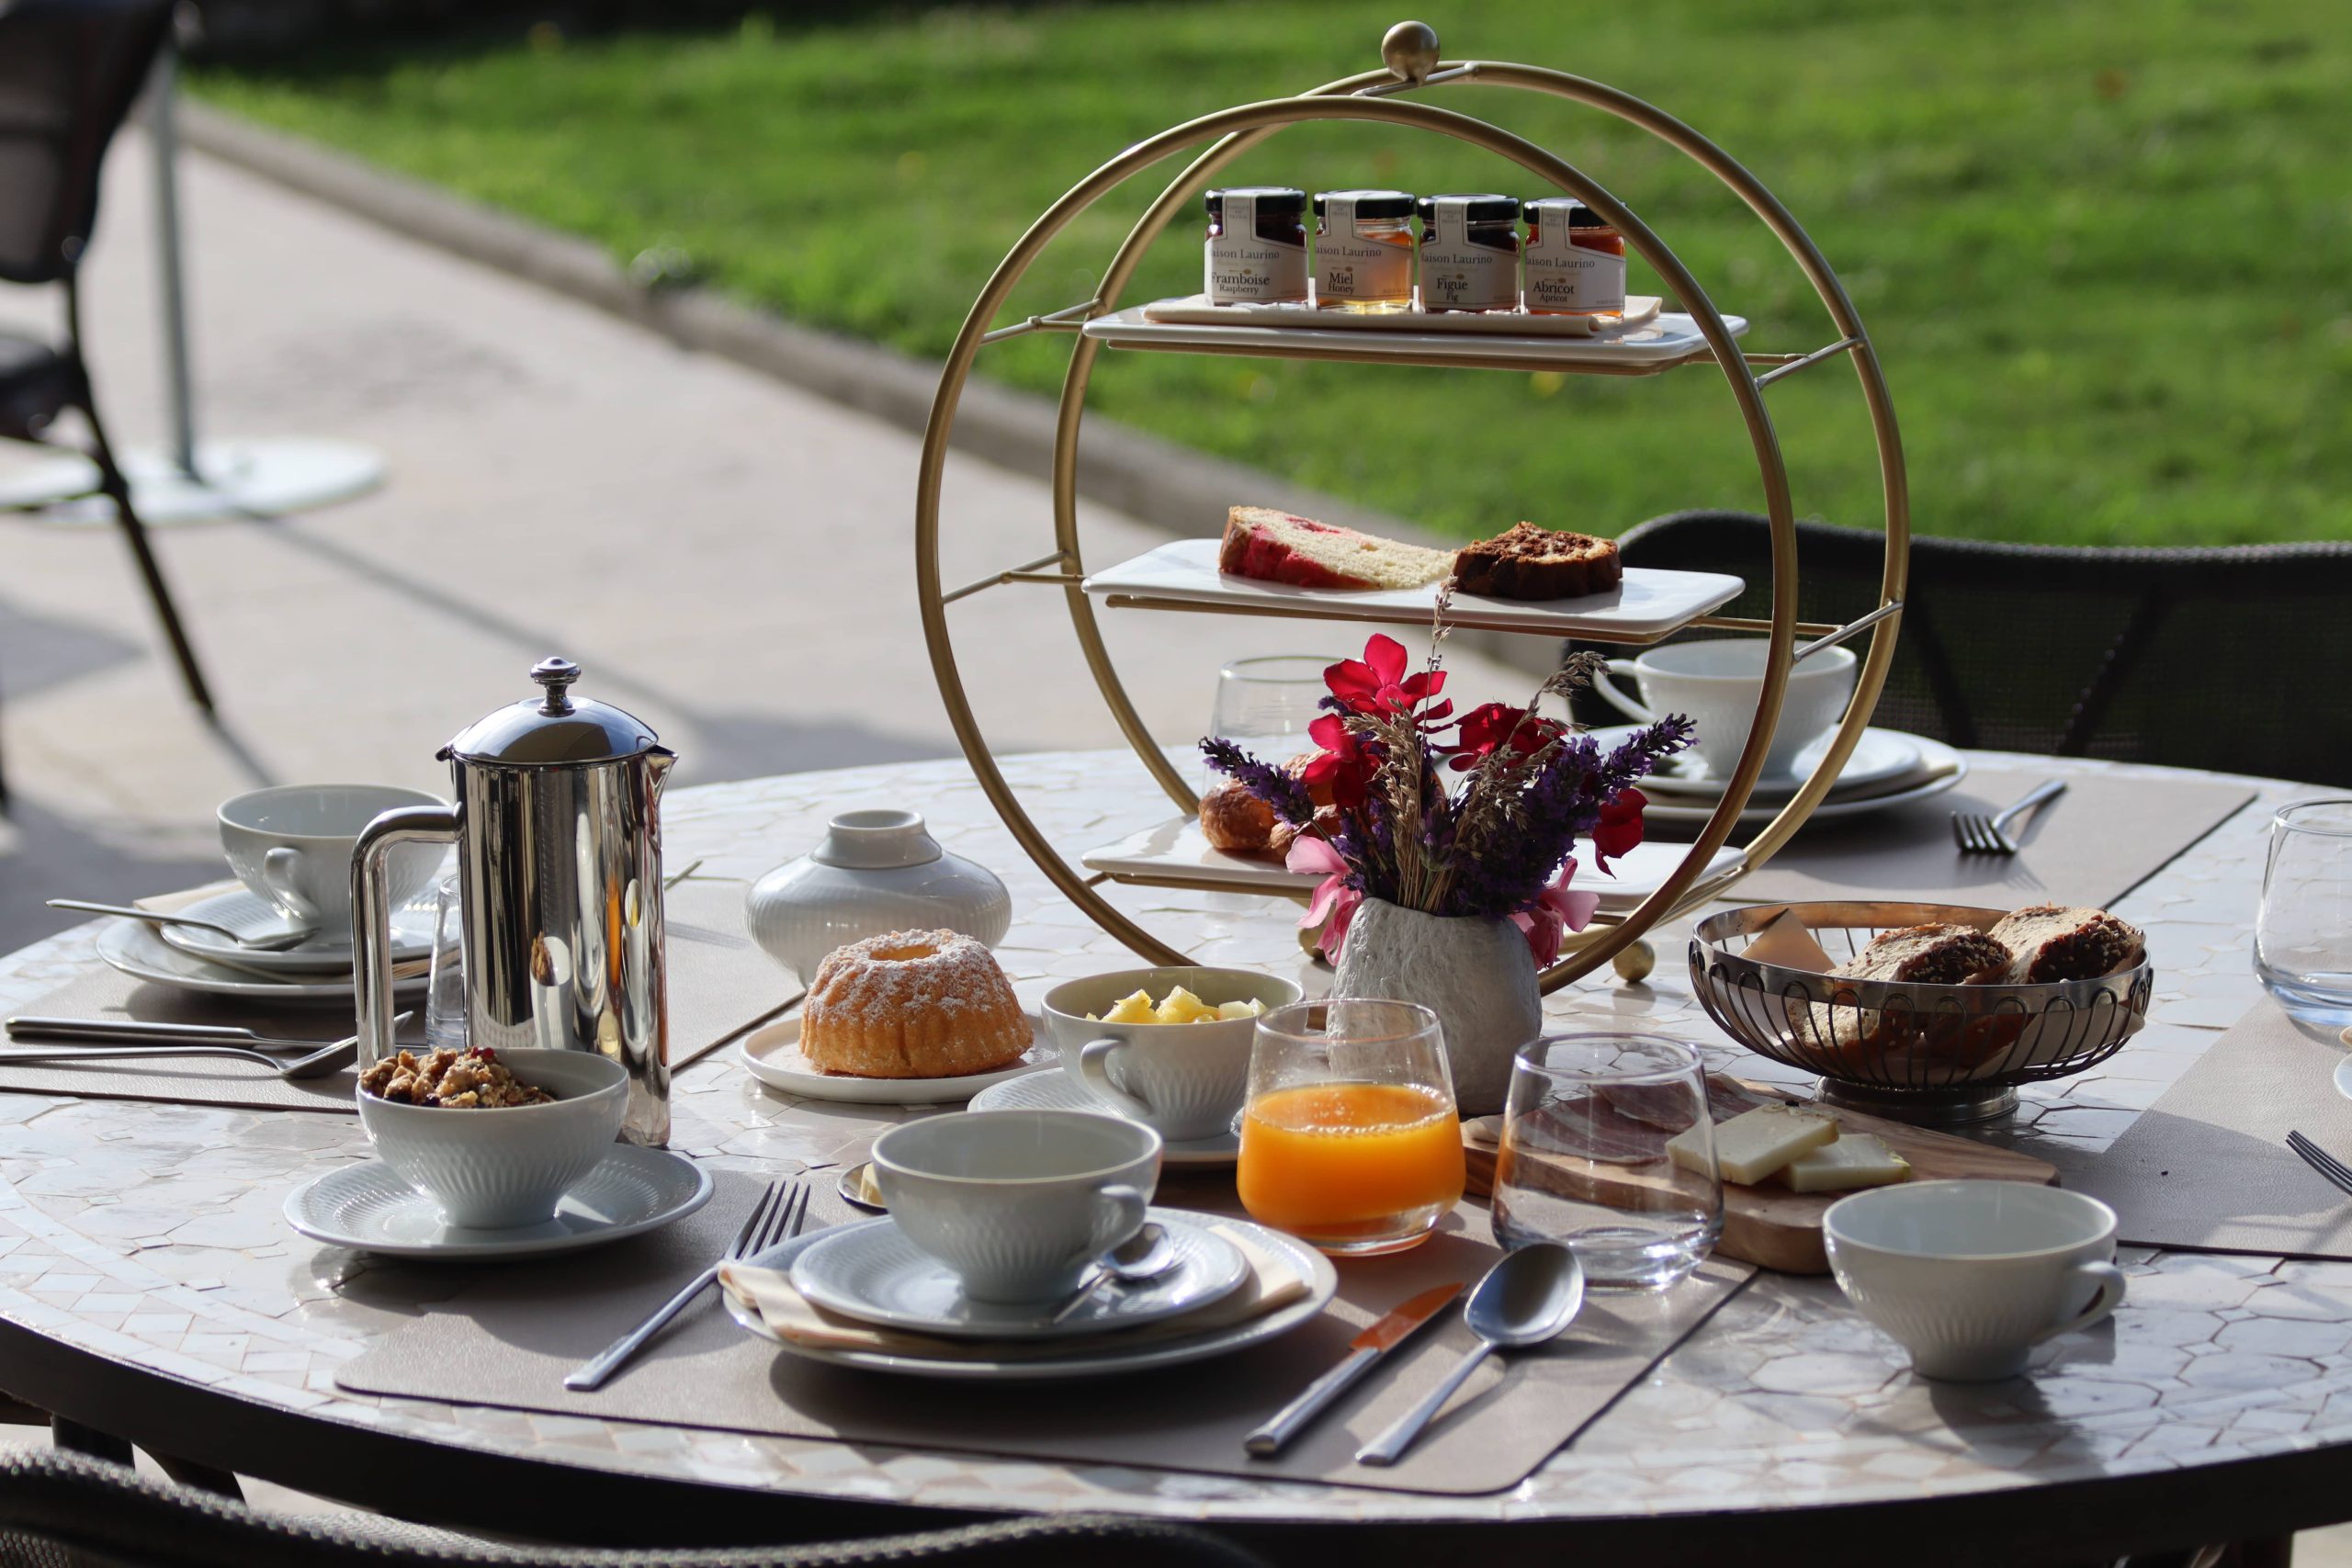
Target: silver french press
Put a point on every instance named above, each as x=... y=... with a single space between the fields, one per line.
x=558 y=837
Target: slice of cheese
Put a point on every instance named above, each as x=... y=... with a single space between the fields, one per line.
x=1752 y=1146
x=1786 y=942
x=1856 y=1159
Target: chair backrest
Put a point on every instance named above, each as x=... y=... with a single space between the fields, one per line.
x=2232 y=657
x=67 y=1508
x=69 y=73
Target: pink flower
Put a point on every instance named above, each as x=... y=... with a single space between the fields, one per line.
x=1377 y=684
x=1334 y=898
x=1555 y=911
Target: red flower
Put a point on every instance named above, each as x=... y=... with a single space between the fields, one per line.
x=1489 y=725
x=1341 y=766
x=1620 y=828
x=1377 y=684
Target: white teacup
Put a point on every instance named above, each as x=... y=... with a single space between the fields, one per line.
x=1017 y=1202
x=1970 y=1276
x=292 y=847
x=1182 y=1080
x=1717 y=683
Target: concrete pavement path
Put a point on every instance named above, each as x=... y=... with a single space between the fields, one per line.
x=728 y=557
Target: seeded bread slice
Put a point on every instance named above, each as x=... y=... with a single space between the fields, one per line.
x=2049 y=942
x=1933 y=954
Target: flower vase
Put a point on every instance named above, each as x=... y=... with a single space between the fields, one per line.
x=1475 y=972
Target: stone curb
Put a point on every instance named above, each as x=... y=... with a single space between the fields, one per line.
x=1168 y=486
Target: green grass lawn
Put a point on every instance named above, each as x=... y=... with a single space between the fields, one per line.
x=2105 y=248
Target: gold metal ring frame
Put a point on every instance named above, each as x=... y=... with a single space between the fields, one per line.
x=1412 y=51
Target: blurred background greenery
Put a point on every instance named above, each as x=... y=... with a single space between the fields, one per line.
x=2105 y=249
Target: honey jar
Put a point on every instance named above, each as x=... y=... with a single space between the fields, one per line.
x=1575 y=262
x=1257 y=246
x=1469 y=253
x=1363 y=250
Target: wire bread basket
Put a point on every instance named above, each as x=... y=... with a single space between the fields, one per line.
x=1913 y=1052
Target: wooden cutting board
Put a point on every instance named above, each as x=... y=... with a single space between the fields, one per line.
x=1770 y=1226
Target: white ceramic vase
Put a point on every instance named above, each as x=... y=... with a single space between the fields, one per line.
x=876 y=871
x=1475 y=973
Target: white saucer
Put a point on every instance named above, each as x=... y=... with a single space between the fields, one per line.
x=2343 y=1071
x=327 y=953
x=1087 y=1358
x=133 y=947
x=774 y=1056
x=870 y=1271
x=1880 y=755
x=1055 y=1091
x=1941 y=768
x=368 y=1209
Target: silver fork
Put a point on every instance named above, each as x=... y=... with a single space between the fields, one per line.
x=782 y=1210
x=2320 y=1160
x=1981 y=835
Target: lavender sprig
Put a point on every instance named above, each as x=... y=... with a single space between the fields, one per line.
x=1278 y=787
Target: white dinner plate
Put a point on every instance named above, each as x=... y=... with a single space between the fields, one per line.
x=1085 y=1360
x=132 y=947
x=774 y=1056
x=1054 y=1091
x=368 y=1209
x=1880 y=756
x=249 y=915
x=870 y=1271
x=1940 y=768
x=1650 y=603
x=1177 y=848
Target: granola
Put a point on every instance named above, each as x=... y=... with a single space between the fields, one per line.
x=472 y=1079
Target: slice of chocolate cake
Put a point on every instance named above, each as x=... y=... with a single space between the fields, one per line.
x=1528 y=562
x=2048 y=942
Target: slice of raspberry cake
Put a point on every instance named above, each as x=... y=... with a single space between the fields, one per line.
x=1275 y=546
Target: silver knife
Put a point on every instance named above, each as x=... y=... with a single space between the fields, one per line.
x=1362 y=1351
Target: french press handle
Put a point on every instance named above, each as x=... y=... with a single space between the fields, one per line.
x=372 y=909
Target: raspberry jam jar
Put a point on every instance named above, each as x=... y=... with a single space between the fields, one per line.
x=1256 y=253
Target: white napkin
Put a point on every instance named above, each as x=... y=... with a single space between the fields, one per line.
x=1274 y=1281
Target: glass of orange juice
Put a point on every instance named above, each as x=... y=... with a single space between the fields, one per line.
x=1349 y=1140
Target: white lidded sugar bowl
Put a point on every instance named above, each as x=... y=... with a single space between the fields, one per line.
x=876 y=871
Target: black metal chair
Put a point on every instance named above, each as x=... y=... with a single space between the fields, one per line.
x=69 y=73
x=2229 y=657
x=62 y=1510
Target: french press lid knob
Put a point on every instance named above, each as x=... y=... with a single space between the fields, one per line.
x=553 y=731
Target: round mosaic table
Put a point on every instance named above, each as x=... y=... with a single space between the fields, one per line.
x=149 y=1288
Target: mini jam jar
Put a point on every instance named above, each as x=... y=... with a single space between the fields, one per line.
x=1576 y=261
x=1363 y=250
x=1257 y=246
x=1469 y=253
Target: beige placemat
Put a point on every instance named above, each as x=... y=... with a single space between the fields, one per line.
x=720 y=984
x=509 y=1340
x=2093 y=844
x=2207 y=1167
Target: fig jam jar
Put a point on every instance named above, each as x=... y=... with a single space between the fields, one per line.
x=1256 y=253
x=1469 y=253
x=1576 y=261
x=1363 y=250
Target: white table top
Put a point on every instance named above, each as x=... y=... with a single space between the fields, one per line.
x=149 y=1235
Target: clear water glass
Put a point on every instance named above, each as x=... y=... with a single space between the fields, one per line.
x=445 y=993
x=1265 y=705
x=1350 y=1138
x=2303 y=934
x=1584 y=1163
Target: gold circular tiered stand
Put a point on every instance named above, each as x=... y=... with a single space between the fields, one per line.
x=1413 y=65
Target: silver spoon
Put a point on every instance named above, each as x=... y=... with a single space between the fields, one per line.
x=318 y=1064
x=1146 y=1255
x=1527 y=1298
x=274 y=942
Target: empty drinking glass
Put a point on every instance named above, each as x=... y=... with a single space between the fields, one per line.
x=2302 y=935
x=1265 y=705
x=445 y=993
x=1349 y=1139
x=1584 y=1160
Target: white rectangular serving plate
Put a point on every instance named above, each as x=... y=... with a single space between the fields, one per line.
x=1669 y=339
x=1648 y=604
x=1195 y=311
x=1178 y=849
